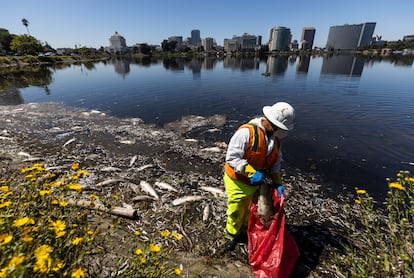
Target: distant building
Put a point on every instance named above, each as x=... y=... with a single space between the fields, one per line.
x=231 y=45
x=195 y=39
x=279 y=39
x=350 y=36
x=408 y=38
x=244 y=42
x=178 y=39
x=306 y=41
x=117 y=42
x=207 y=43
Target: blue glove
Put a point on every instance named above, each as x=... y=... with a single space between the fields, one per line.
x=256 y=178
x=280 y=190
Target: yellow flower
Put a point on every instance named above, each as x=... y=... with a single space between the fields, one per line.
x=177 y=271
x=165 y=233
x=177 y=236
x=55 y=202
x=75 y=166
x=74 y=177
x=154 y=248
x=5 y=204
x=75 y=186
x=59 y=227
x=77 y=240
x=5 y=238
x=361 y=191
x=142 y=260
x=409 y=179
x=396 y=185
x=93 y=197
x=63 y=203
x=82 y=173
x=4 y=188
x=78 y=273
x=57 y=265
x=139 y=252
x=45 y=192
x=16 y=261
x=23 y=221
x=137 y=233
x=357 y=202
x=43 y=251
x=27 y=239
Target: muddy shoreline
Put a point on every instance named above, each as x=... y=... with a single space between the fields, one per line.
x=130 y=151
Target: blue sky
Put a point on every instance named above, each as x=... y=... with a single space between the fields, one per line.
x=90 y=23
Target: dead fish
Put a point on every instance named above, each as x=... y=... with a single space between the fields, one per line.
x=132 y=161
x=111 y=169
x=186 y=199
x=142 y=198
x=145 y=186
x=108 y=182
x=69 y=141
x=166 y=186
x=264 y=204
x=216 y=191
x=212 y=149
x=144 y=167
x=24 y=154
x=127 y=142
x=206 y=212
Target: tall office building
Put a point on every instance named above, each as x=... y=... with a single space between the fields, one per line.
x=279 y=39
x=117 y=42
x=306 y=41
x=195 y=37
x=350 y=36
x=207 y=43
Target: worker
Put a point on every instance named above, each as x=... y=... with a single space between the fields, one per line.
x=253 y=153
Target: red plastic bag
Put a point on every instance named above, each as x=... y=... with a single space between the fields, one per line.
x=272 y=250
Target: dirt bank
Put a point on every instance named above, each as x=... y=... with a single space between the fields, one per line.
x=129 y=151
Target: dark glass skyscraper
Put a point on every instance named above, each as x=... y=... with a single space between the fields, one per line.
x=195 y=37
x=350 y=36
x=306 y=41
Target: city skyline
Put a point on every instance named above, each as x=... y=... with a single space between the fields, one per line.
x=91 y=23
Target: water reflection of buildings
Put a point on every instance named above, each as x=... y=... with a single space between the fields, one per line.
x=241 y=63
x=302 y=65
x=276 y=65
x=342 y=65
x=121 y=67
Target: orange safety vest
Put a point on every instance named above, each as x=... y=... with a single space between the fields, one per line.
x=255 y=153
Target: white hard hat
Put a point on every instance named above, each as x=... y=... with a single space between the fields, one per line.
x=281 y=114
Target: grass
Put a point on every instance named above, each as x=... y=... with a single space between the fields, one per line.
x=41 y=235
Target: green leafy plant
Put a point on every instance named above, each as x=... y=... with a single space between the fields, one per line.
x=381 y=243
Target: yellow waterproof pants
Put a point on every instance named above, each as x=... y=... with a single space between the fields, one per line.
x=239 y=196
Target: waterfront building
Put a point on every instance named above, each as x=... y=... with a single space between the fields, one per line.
x=231 y=45
x=117 y=42
x=350 y=36
x=178 y=39
x=207 y=43
x=279 y=39
x=408 y=38
x=306 y=41
x=244 y=42
x=195 y=39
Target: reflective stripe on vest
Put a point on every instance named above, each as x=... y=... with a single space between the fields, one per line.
x=255 y=153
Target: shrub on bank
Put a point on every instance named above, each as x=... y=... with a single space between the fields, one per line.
x=381 y=243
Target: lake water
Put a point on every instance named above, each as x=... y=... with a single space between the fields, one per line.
x=354 y=120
